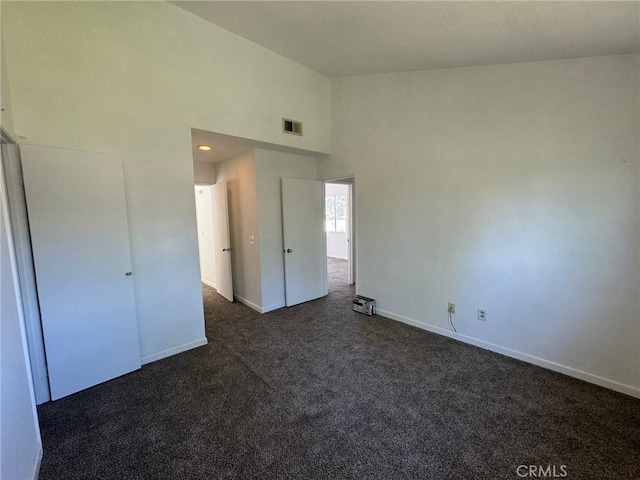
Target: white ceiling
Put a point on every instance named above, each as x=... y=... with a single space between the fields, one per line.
x=353 y=38
x=227 y=146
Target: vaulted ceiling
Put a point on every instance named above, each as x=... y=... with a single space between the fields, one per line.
x=353 y=38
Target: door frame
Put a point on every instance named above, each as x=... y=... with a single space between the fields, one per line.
x=26 y=273
x=352 y=250
x=210 y=220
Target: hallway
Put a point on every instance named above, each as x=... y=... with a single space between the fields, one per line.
x=337 y=274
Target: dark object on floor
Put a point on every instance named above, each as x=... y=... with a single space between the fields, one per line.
x=318 y=391
x=364 y=305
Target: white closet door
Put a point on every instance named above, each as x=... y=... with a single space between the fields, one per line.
x=304 y=240
x=80 y=238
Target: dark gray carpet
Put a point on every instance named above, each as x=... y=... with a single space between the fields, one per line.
x=319 y=392
x=337 y=272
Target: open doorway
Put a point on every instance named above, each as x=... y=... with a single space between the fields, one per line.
x=276 y=216
x=339 y=232
x=204 y=222
x=212 y=210
x=214 y=250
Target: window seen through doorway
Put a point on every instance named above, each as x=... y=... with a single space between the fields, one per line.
x=336 y=213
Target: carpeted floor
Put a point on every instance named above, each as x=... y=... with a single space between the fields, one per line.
x=337 y=274
x=317 y=391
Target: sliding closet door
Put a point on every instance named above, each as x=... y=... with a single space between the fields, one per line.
x=80 y=238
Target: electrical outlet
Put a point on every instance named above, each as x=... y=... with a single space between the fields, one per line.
x=482 y=314
x=451 y=307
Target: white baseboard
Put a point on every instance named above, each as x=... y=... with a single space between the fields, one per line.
x=272 y=307
x=257 y=308
x=173 y=351
x=37 y=462
x=525 y=357
x=207 y=282
x=248 y=303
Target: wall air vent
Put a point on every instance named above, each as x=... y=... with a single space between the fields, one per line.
x=291 y=126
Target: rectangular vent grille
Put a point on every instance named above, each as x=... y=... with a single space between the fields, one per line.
x=291 y=126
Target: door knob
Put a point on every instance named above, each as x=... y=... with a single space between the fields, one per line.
x=227 y=249
x=289 y=250
x=128 y=274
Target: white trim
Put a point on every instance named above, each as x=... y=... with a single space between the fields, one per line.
x=525 y=357
x=6 y=138
x=256 y=307
x=342 y=179
x=349 y=180
x=325 y=247
x=37 y=463
x=350 y=226
x=173 y=351
x=272 y=307
x=339 y=257
x=6 y=225
x=209 y=283
x=248 y=303
x=26 y=272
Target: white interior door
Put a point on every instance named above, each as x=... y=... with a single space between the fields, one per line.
x=204 y=220
x=304 y=240
x=80 y=240
x=224 y=280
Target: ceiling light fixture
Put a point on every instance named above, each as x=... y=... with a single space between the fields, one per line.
x=205 y=148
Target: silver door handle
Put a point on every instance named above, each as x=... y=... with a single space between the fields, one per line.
x=227 y=249
x=289 y=250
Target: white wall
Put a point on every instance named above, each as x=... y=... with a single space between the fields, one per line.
x=204 y=173
x=240 y=174
x=132 y=78
x=337 y=244
x=20 y=445
x=255 y=209
x=271 y=167
x=513 y=188
x=206 y=247
x=6 y=112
